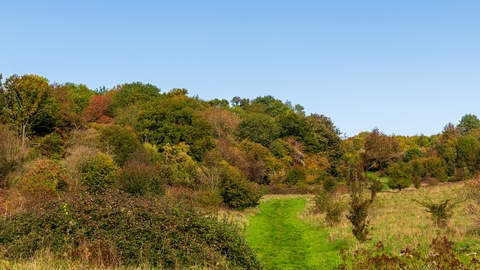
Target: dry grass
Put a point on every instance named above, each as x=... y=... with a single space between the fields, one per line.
x=398 y=221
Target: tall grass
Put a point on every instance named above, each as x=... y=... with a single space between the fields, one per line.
x=399 y=221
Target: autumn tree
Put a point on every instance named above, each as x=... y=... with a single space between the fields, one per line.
x=27 y=103
x=80 y=95
x=224 y=122
x=380 y=150
x=99 y=109
x=68 y=111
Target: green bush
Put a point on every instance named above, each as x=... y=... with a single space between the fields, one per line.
x=116 y=229
x=400 y=175
x=120 y=141
x=295 y=175
x=99 y=173
x=237 y=192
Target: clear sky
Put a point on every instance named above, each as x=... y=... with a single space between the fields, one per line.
x=406 y=67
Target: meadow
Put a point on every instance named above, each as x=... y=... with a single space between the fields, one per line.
x=287 y=232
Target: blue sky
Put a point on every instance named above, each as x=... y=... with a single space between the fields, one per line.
x=406 y=67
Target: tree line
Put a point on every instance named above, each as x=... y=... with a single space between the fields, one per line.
x=62 y=137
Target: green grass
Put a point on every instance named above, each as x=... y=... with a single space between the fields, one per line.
x=282 y=241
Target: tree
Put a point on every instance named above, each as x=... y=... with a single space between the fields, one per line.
x=120 y=141
x=468 y=123
x=380 y=150
x=400 y=175
x=26 y=102
x=99 y=109
x=259 y=128
x=134 y=93
x=174 y=118
x=329 y=137
x=80 y=94
x=68 y=111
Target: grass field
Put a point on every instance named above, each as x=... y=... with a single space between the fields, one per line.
x=283 y=241
x=286 y=233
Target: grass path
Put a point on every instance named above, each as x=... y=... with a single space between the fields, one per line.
x=282 y=241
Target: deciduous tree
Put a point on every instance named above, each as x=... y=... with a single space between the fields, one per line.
x=26 y=102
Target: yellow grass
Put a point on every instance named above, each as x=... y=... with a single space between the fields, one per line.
x=398 y=221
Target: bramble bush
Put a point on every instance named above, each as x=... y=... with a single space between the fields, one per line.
x=116 y=229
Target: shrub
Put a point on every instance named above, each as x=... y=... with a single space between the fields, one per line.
x=140 y=177
x=51 y=146
x=440 y=212
x=120 y=141
x=11 y=153
x=334 y=213
x=400 y=175
x=294 y=176
x=237 y=192
x=44 y=181
x=322 y=200
x=99 y=173
x=439 y=255
x=116 y=229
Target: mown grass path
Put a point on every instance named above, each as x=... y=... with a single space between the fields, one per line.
x=282 y=241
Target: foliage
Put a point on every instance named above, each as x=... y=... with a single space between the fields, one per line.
x=68 y=112
x=334 y=213
x=44 y=181
x=439 y=255
x=411 y=154
x=99 y=109
x=380 y=150
x=225 y=123
x=52 y=146
x=328 y=136
x=258 y=128
x=11 y=153
x=27 y=103
x=468 y=123
x=139 y=176
x=119 y=141
x=435 y=167
x=359 y=204
x=400 y=175
x=440 y=212
x=173 y=119
x=115 y=229
x=295 y=175
x=177 y=167
x=134 y=93
x=99 y=173
x=80 y=94
x=238 y=192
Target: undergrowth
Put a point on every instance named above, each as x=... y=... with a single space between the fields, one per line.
x=116 y=229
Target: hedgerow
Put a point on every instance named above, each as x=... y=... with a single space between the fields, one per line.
x=117 y=229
